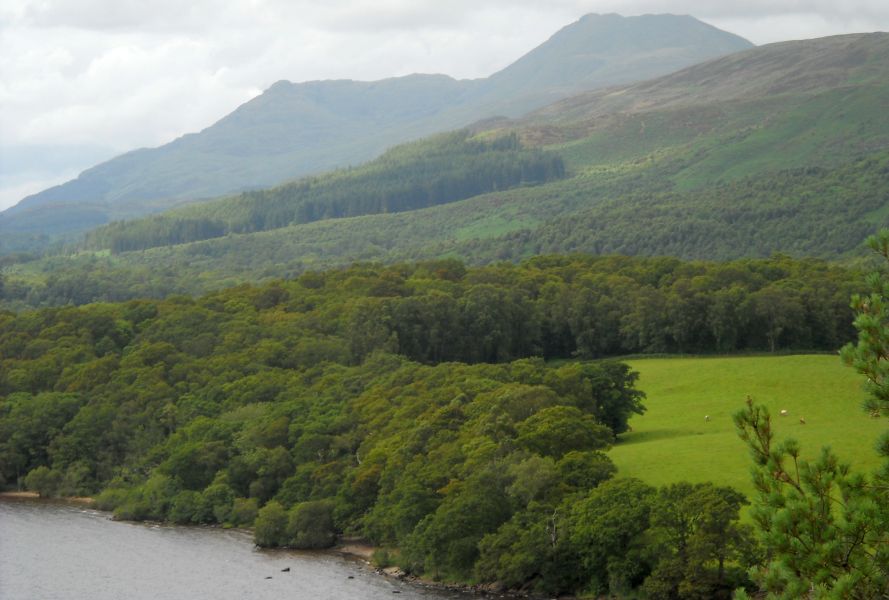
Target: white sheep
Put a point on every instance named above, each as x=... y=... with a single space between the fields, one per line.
x=706 y=418
x=783 y=412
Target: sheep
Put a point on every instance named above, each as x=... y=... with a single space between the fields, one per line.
x=706 y=418
x=783 y=412
x=802 y=421
x=875 y=414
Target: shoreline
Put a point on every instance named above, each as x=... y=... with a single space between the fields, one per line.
x=26 y=495
x=355 y=548
x=362 y=551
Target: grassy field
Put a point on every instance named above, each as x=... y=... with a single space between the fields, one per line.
x=672 y=441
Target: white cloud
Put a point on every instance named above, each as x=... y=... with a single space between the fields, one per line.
x=130 y=73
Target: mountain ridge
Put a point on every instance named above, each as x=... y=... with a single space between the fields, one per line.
x=295 y=129
x=805 y=56
x=802 y=173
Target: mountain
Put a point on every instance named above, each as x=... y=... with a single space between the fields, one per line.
x=600 y=51
x=784 y=68
x=742 y=156
x=293 y=129
x=439 y=170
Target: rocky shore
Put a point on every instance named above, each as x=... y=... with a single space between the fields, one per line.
x=363 y=552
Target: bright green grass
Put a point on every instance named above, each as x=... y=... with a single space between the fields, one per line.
x=494 y=225
x=672 y=442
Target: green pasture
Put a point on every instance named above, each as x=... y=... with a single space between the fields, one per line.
x=672 y=441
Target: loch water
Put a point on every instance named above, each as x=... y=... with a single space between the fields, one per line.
x=55 y=551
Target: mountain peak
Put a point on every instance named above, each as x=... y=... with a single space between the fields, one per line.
x=295 y=129
x=598 y=51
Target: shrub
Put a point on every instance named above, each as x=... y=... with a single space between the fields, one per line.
x=270 y=529
x=244 y=511
x=310 y=525
x=44 y=481
x=186 y=507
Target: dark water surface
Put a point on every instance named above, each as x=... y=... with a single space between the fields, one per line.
x=54 y=551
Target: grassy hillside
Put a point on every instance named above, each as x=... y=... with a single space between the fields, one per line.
x=695 y=165
x=623 y=209
x=824 y=212
x=296 y=129
x=776 y=70
x=438 y=170
x=672 y=442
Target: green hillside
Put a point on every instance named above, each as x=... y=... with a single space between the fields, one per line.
x=672 y=442
x=699 y=164
x=294 y=129
x=439 y=170
x=624 y=209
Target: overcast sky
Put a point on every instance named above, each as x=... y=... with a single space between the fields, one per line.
x=84 y=80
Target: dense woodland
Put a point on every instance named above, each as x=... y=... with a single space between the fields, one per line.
x=549 y=306
x=404 y=404
x=484 y=197
x=814 y=211
x=802 y=212
x=811 y=211
x=435 y=171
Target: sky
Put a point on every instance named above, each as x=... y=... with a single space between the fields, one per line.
x=84 y=80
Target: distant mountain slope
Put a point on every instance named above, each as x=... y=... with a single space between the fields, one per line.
x=294 y=129
x=800 y=166
x=599 y=51
x=442 y=169
x=802 y=212
x=803 y=169
x=798 y=67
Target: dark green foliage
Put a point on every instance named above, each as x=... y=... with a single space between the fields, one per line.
x=585 y=470
x=310 y=525
x=445 y=543
x=525 y=550
x=560 y=429
x=824 y=210
x=101 y=385
x=809 y=211
x=270 y=528
x=438 y=171
x=606 y=531
x=244 y=512
x=44 y=481
x=606 y=391
x=78 y=480
x=195 y=464
x=186 y=507
x=698 y=542
x=29 y=424
x=870 y=356
x=217 y=410
x=359 y=402
x=150 y=500
x=217 y=501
